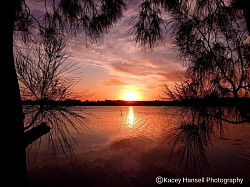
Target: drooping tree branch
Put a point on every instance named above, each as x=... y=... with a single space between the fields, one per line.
x=35 y=133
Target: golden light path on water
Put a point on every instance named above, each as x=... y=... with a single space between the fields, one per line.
x=128 y=142
x=131 y=117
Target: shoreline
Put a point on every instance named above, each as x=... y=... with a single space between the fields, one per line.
x=202 y=102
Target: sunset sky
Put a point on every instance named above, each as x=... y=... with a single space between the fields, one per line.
x=116 y=65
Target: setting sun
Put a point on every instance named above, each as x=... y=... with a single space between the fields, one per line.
x=131 y=96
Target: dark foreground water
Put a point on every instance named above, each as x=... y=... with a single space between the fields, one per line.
x=132 y=146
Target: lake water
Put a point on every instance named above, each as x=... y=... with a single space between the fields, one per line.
x=130 y=146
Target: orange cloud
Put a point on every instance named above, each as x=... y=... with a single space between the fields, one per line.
x=114 y=82
x=172 y=75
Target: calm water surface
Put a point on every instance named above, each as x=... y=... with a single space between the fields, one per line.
x=131 y=146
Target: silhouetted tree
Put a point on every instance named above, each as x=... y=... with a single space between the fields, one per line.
x=242 y=5
x=45 y=76
x=93 y=18
x=156 y=16
x=193 y=137
x=217 y=51
x=189 y=87
x=90 y=17
x=195 y=134
x=210 y=36
x=14 y=157
x=41 y=68
x=198 y=127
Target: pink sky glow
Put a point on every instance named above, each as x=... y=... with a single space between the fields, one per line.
x=116 y=65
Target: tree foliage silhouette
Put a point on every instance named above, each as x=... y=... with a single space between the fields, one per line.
x=46 y=77
x=93 y=18
x=211 y=38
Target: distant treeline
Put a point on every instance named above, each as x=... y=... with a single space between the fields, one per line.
x=102 y=103
x=187 y=102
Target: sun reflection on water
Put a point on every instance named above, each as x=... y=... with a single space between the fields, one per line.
x=131 y=117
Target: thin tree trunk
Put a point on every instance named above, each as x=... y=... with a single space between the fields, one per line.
x=13 y=150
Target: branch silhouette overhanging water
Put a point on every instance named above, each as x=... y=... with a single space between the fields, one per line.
x=196 y=132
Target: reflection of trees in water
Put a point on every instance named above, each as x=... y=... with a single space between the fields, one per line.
x=62 y=119
x=47 y=78
x=195 y=133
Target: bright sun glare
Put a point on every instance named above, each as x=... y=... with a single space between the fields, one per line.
x=131 y=96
